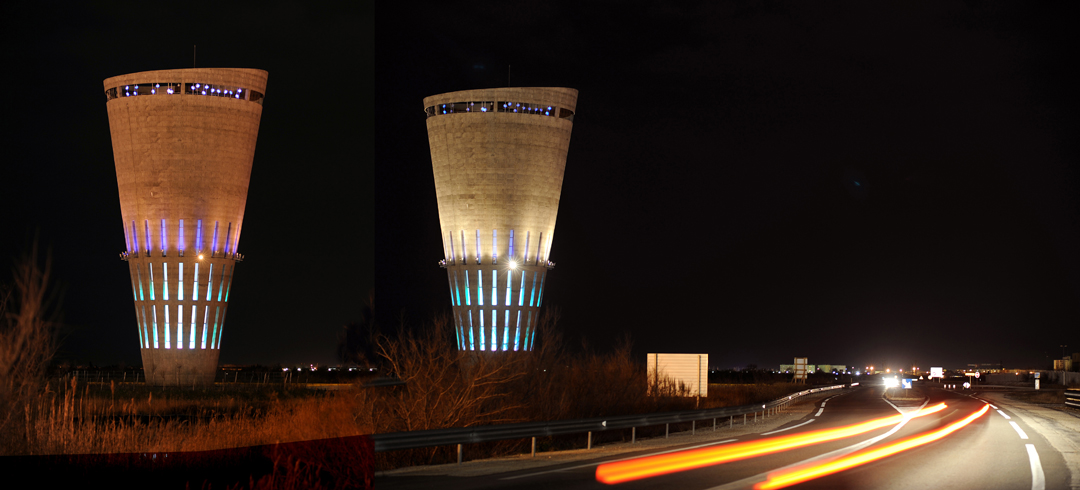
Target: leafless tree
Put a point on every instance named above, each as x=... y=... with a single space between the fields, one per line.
x=28 y=325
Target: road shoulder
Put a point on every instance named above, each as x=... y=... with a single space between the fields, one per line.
x=1060 y=429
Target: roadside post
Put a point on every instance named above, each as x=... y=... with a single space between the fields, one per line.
x=1037 y=380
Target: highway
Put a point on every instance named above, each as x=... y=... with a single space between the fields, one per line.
x=997 y=448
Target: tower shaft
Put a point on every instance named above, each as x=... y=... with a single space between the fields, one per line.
x=183 y=144
x=498 y=157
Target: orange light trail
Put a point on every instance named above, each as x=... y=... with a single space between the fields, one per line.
x=797 y=475
x=662 y=464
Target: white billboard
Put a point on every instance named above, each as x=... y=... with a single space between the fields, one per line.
x=801 y=369
x=689 y=370
x=936 y=372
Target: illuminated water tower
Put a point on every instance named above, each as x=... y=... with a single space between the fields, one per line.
x=183 y=143
x=498 y=156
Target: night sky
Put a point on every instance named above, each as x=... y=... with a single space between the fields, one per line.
x=855 y=182
x=309 y=225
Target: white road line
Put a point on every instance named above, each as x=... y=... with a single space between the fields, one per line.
x=822 y=409
x=1038 y=479
x=1018 y=430
x=614 y=460
x=789 y=428
x=1003 y=415
x=993 y=406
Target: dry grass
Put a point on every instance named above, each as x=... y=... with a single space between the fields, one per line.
x=72 y=421
x=1046 y=397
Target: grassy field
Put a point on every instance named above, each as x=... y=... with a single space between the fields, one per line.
x=66 y=418
x=1039 y=397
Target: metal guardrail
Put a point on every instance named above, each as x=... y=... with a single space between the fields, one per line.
x=1072 y=397
x=395 y=441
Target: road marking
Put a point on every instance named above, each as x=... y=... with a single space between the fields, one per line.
x=1038 y=479
x=822 y=409
x=614 y=460
x=1018 y=430
x=1003 y=415
x=993 y=406
x=789 y=428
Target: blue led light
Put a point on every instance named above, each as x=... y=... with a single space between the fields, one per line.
x=532 y=292
x=168 y=336
x=221 y=284
x=472 y=344
x=138 y=271
x=220 y=332
x=467 y=295
x=506 y=331
x=540 y=297
x=227 y=288
x=205 y=324
x=151 y=267
x=180 y=326
x=521 y=296
x=517 y=331
x=191 y=343
x=509 y=279
x=457 y=290
x=480 y=288
x=210 y=283
x=213 y=246
x=146 y=335
x=214 y=336
x=141 y=341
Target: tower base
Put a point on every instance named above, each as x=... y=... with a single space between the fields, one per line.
x=180 y=367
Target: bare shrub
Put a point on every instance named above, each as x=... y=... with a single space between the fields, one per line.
x=27 y=343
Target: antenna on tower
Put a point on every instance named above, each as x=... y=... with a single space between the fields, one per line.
x=194 y=51
x=507 y=75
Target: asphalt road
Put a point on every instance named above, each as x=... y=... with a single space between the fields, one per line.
x=999 y=449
